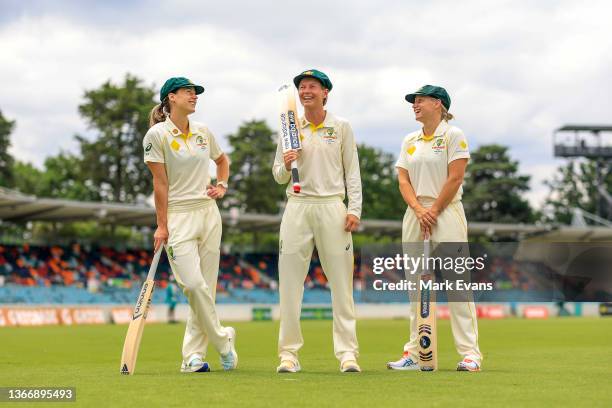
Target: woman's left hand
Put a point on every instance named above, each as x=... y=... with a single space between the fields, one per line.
x=433 y=212
x=215 y=192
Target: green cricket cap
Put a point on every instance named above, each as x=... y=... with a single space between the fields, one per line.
x=175 y=83
x=316 y=74
x=434 y=91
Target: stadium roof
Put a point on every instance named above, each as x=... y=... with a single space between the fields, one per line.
x=585 y=128
x=18 y=207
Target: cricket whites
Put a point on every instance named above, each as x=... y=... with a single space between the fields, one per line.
x=289 y=128
x=134 y=333
x=426 y=317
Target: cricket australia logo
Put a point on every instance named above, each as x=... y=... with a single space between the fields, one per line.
x=330 y=135
x=438 y=145
x=201 y=142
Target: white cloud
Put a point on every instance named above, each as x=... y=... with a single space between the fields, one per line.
x=515 y=70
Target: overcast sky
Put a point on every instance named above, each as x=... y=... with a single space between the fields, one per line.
x=515 y=70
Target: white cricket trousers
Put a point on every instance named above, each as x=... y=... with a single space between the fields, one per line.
x=193 y=250
x=451 y=226
x=309 y=222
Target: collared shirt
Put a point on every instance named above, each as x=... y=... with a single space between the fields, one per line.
x=186 y=158
x=427 y=159
x=328 y=162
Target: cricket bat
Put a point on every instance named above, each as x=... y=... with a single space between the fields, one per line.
x=289 y=128
x=134 y=332
x=426 y=316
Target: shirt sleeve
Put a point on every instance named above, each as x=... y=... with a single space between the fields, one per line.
x=152 y=145
x=215 y=149
x=457 y=146
x=352 y=175
x=280 y=173
x=402 y=160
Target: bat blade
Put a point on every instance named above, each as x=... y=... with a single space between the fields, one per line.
x=289 y=128
x=427 y=348
x=136 y=328
x=133 y=337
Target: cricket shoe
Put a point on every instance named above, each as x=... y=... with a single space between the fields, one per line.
x=350 y=366
x=468 y=365
x=196 y=365
x=288 y=366
x=406 y=363
x=229 y=361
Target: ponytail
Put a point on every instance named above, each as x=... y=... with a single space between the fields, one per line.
x=446 y=115
x=159 y=113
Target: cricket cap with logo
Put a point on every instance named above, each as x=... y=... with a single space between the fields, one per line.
x=174 y=83
x=316 y=74
x=433 y=91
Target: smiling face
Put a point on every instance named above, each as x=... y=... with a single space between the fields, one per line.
x=312 y=94
x=426 y=108
x=184 y=99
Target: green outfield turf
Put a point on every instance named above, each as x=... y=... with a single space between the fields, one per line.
x=557 y=362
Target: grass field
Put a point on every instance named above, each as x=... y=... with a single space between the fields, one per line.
x=557 y=362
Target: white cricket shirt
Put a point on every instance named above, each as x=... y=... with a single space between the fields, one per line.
x=427 y=159
x=186 y=158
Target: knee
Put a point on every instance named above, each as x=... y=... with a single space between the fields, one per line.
x=194 y=287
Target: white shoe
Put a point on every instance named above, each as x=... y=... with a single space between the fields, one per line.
x=288 y=366
x=406 y=363
x=196 y=365
x=468 y=365
x=229 y=361
x=350 y=366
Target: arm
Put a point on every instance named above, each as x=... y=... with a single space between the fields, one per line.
x=405 y=187
x=160 y=189
x=219 y=191
x=425 y=220
x=352 y=177
x=456 y=172
x=279 y=168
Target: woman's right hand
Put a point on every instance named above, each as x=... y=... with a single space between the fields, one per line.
x=289 y=157
x=426 y=221
x=160 y=237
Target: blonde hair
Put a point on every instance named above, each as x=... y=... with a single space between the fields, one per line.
x=160 y=112
x=445 y=114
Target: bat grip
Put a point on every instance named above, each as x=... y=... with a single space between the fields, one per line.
x=295 y=176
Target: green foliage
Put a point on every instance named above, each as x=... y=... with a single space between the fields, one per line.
x=28 y=179
x=112 y=163
x=252 y=187
x=575 y=186
x=6 y=160
x=63 y=178
x=381 y=196
x=493 y=187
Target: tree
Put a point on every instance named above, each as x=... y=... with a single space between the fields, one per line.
x=63 y=178
x=28 y=179
x=575 y=186
x=253 y=150
x=112 y=163
x=381 y=196
x=493 y=187
x=6 y=160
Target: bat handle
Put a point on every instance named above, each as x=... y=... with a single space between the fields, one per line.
x=295 y=176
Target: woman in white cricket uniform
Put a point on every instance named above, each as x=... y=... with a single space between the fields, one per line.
x=431 y=168
x=317 y=216
x=177 y=152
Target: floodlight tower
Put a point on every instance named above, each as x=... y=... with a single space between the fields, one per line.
x=592 y=142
